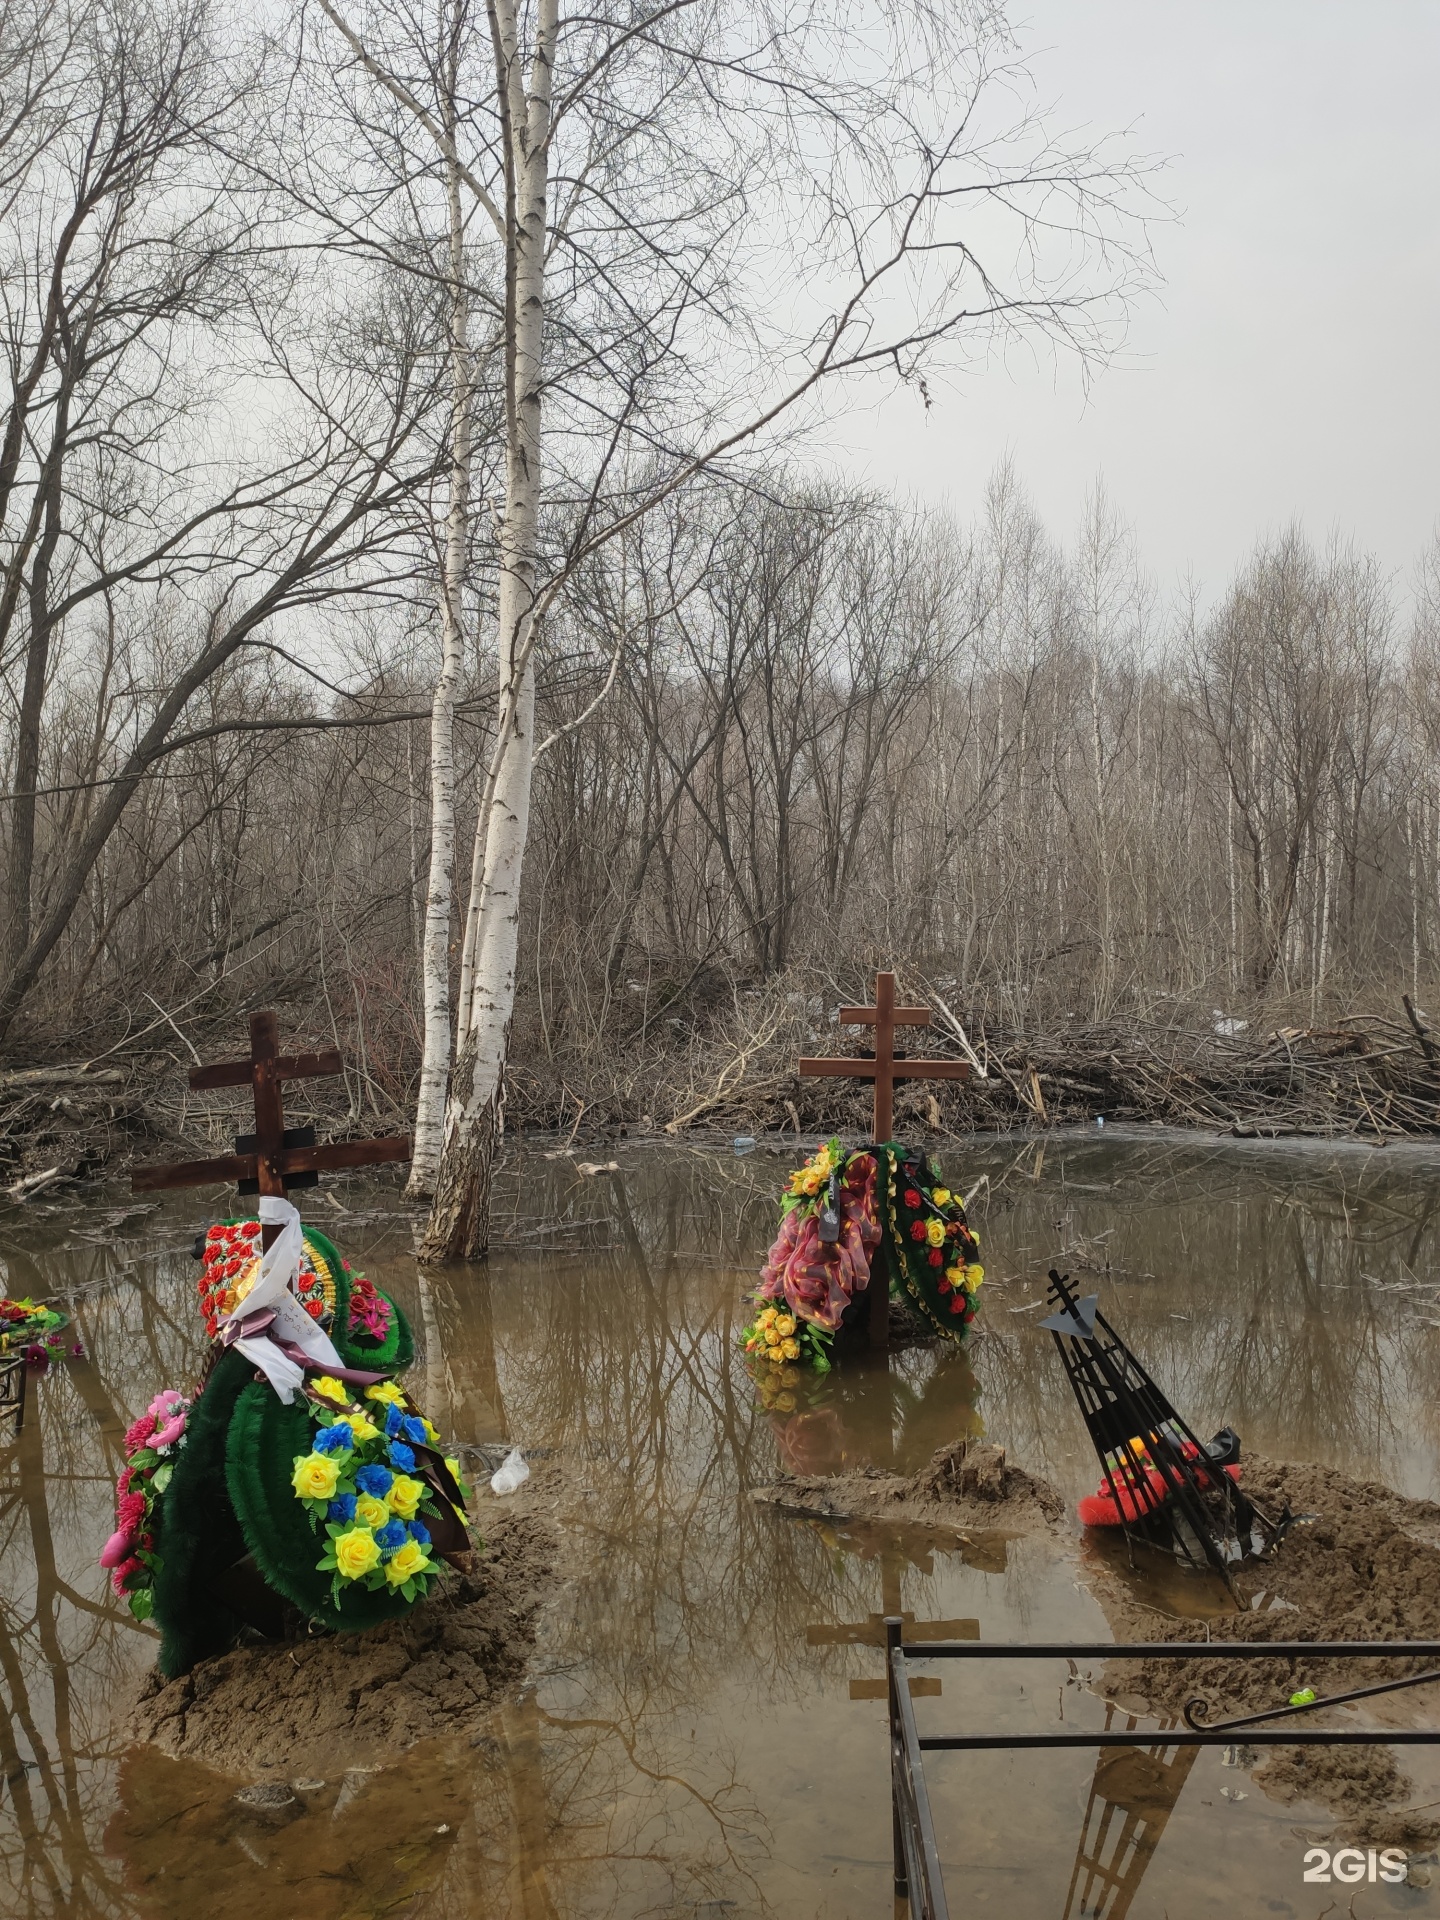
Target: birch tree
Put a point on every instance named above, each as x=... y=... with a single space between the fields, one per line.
x=709 y=212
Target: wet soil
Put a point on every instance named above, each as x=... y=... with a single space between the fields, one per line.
x=265 y=1711
x=969 y=1483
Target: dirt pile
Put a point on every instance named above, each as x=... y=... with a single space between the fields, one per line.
x=968 y=1483
x=1363 y=1565
x=265 y=1710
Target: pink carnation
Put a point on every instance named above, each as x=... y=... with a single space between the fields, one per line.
x=130 y=1511
x=138 y=1434
x=122 y=1573
x=122 y=1485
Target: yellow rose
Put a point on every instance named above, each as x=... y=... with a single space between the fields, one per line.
x=955 y=1275
x=432 y=1434
x=935 y=1232
x=356 y=1553
x=315 y=1476
x=768 y=1317
x=363 y=1429
x=974 y=1276
x=791 y=1349
x=387 y=1393
x=775 y=1355
x=810 y=1184
x=405 y=1496
x=373 y=1512
x=405 y=1561
x=331 y=1389
x=941 y=1196
x=785 y=1325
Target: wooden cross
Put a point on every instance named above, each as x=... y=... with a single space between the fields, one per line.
x=275 y=1157
x=887 y=1066
x=885 y=1069
x=870 y=1632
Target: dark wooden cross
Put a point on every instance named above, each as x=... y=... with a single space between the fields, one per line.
x=885 y=1068
x=275 y=1157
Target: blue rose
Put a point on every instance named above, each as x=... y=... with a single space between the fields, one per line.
x=376 y=1480
x=394 y=1422
x=391 y=1536
x=401 y=1458
x=420 y=1533
x=415 y=1430
x=341 y=1509
x=336 y=1438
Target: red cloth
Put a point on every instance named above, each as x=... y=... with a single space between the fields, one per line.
x=818 y=1279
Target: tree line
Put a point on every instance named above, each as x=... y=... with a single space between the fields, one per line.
x=413 y=606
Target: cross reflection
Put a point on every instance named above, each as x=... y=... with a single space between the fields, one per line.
x=896 y=1547
x=1132 y=1795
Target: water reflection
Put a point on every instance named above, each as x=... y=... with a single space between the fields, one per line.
x=703 y=1732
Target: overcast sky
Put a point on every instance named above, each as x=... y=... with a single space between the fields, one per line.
x=1291 y=366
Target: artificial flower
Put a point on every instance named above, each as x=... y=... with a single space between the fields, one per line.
x=402 y=1458
x=957 y=1303
x=334 y=1390
x=785 y=1325
x=405 y=1496
x=370 y=1511
x=941 y=1196
x=917 y=1230
x=342 y=1509
x=974 y=1277
x=935 y=1257
x=363 y=1428
x=912 y=1198
x=406 y=1563
x=772 y=1334
x=419 y=1531
x=768 y=1317
x=356 y=1553
x=432 y=1434
x=387 y=1393
x=338 y=1437
x=391 y=1536
x=791 y=1349
x=935 y=1232
x=315 y=1476
x=416 y=1430
x=376 y=1480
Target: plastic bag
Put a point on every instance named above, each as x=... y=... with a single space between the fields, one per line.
x=511 y=1474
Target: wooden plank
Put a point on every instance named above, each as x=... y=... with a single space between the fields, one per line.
x=346 y=1153
x=902 y=1016
x=225 y=1073
x=193 y=1173
x=289 y=1066
x=861 y=1069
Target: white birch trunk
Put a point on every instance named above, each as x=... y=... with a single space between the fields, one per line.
x=435 y=963
x=458 y=1226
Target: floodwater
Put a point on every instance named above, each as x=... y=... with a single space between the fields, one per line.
x=703 y=1734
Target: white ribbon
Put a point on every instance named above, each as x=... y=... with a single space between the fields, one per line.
x=274 y=1290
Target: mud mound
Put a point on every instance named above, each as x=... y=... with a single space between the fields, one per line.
x=968 y=1483
x=325 y=1701
x=1366 y=1566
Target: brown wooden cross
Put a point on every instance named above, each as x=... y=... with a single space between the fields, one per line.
x=885 y=1069
x=275 y=1157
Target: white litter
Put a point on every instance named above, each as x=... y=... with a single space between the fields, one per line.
x=511 y=1474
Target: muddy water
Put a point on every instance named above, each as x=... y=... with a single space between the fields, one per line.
x=702 y=1735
